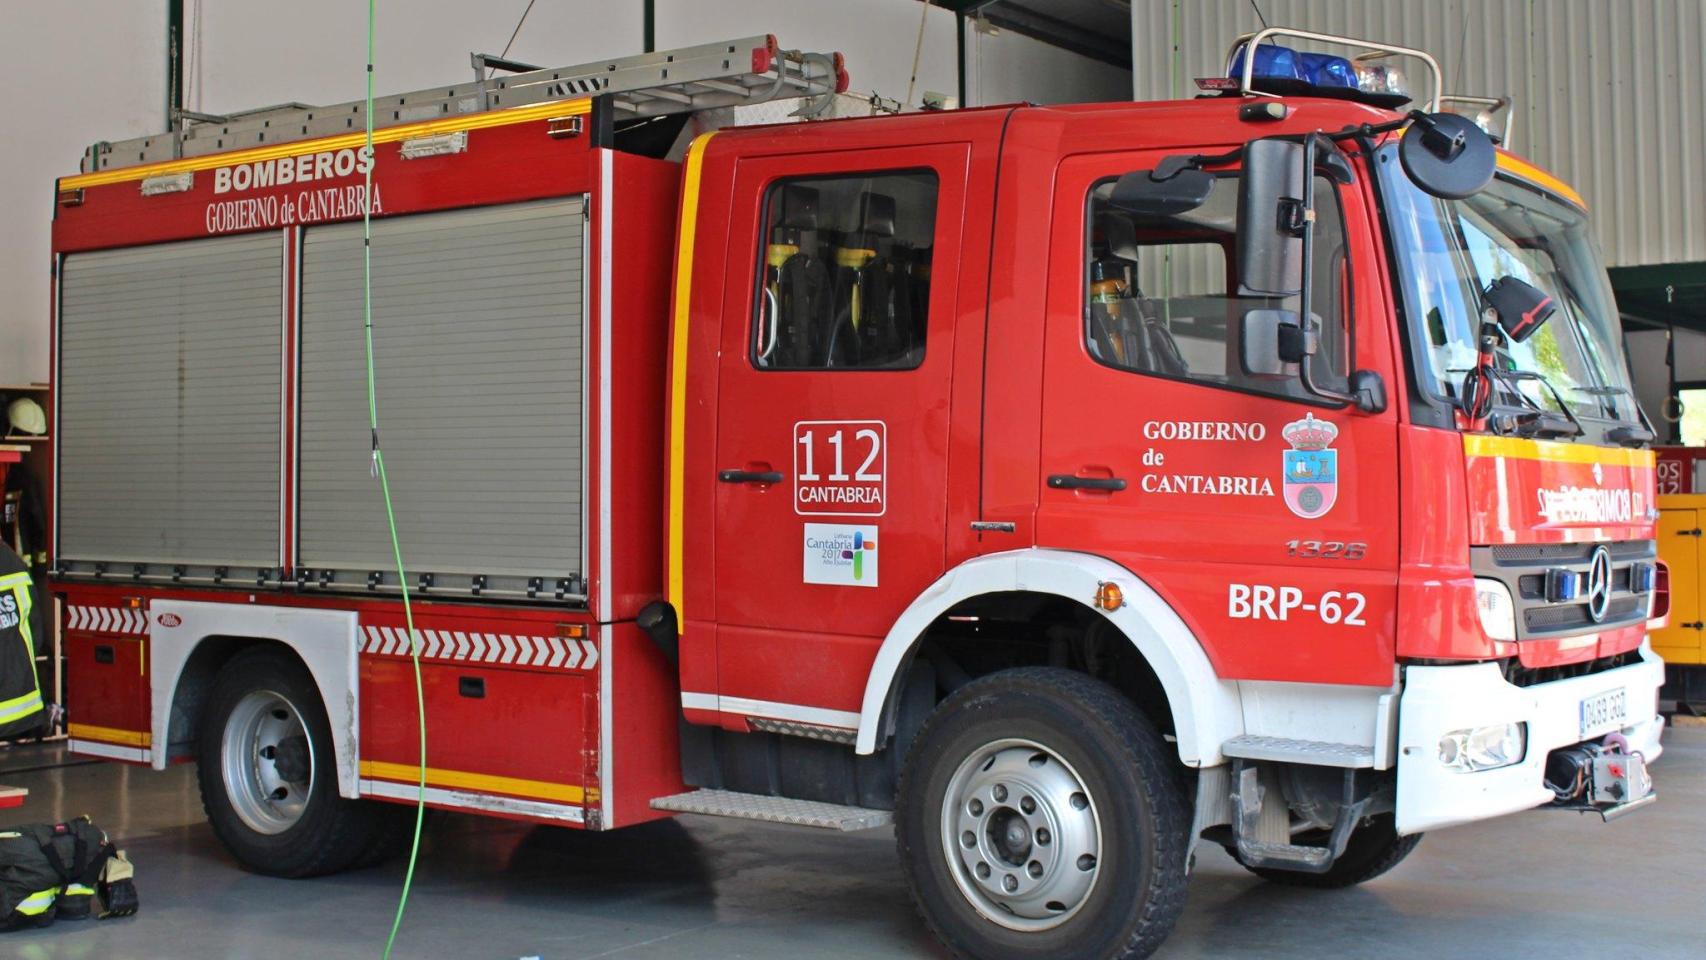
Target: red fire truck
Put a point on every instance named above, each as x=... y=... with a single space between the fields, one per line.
x=1067 y=486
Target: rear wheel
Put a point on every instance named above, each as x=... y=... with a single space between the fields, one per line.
x=1039 y=815
x=1373 y=848
x=268 y=776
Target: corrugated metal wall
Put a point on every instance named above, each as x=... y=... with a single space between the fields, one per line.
x=1611 y=96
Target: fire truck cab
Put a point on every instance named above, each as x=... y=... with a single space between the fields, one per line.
x=1068 y=485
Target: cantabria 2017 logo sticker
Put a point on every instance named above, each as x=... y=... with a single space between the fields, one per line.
x=841 y=555
x=1311 y=484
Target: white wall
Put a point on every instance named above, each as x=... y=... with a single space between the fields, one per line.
x=239 y=58
x=246 y=53
x=89 y=70
x=1005 y=67
x=106 y=79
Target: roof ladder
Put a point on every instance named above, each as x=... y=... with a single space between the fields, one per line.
x=704 y=77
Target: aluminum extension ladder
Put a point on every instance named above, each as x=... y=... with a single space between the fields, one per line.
x=735 y=73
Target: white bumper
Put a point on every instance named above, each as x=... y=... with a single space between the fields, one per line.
x=1437 y=700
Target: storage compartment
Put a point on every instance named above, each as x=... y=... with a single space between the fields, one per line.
x=477 y=329
x=517 y=738
x=169 y=405
x=107 y=708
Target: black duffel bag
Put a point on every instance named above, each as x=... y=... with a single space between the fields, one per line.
x=62 y=871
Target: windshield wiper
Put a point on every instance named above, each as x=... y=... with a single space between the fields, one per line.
x=1631 y=433
x=1538 y=421
x=1531 y=420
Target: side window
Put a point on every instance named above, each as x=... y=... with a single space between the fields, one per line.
x=845 y=279
x=1160 y=290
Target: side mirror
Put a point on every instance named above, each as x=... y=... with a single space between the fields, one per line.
x=1143 y=193
x=1520 y=307
x=1272 y=344
x=1270 y=220
x=1447 y=155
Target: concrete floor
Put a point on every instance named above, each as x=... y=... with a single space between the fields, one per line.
x=1557 y=886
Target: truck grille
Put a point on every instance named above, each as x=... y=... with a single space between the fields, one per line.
x=1523 y=567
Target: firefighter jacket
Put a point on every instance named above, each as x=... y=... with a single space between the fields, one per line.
x=20 y=695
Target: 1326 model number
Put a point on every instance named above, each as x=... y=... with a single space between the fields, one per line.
x=1260 y=601
x=1325 y=550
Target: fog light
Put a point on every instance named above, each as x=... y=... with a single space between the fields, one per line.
x=1498 y=614
x=1483 y=748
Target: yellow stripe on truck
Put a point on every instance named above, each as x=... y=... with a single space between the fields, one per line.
x=479 y=782
x=678 y=369
x=129 y=738
x=342 y=141
x=1517 y=448
x=1540 y=178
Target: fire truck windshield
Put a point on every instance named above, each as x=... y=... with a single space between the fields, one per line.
x=1450 y=250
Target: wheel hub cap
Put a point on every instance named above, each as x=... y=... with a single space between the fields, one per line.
x=1022 y=835
x=268 y=762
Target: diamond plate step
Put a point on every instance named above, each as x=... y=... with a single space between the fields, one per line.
x=1319 y=753
x=752 y=806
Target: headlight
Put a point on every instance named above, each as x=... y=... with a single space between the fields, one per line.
x=1483 y=748
x=1498 y=614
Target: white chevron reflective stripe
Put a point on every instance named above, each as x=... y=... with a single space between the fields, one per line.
x=568 y=653
x=106 y=619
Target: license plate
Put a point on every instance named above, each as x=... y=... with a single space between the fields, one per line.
x=1604 y=712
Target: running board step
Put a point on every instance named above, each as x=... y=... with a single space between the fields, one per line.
x=753 y=806
x=1318 y=753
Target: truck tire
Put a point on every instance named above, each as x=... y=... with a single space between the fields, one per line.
x=1373 y=849
x=267 y=774
x=1038 y=815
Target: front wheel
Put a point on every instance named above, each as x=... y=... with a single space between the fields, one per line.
x=1039 y=815
x=268 y=777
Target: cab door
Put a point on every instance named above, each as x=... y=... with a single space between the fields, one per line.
x=832 y=421
x=1264 y=515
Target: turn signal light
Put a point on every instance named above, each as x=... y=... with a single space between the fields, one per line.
x=1109 y=596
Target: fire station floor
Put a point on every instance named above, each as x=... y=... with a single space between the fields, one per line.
x=1534 y=885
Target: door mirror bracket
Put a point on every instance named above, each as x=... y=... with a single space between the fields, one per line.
x=1273 y=345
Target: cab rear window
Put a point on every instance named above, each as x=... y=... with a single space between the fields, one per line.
x=844 y=282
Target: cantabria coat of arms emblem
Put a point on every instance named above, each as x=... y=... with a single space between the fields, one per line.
x=1311 y=467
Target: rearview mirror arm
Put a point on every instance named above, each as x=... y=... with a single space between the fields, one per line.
x=1306 y=373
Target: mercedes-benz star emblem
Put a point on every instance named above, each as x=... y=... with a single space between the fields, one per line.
x=1599 y=583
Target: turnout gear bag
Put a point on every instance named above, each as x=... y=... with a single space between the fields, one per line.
x=21 y=708
x=64 y=871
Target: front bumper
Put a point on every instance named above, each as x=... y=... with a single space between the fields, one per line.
x=1437 y=700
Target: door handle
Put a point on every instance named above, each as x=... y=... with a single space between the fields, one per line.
x=1066 y=481
x=748 y=476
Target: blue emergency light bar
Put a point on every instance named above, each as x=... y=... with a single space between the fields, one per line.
x=1257 y=65
x=1274 y=62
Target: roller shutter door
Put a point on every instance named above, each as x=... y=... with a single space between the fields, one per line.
x=169 y=404
x=477 y=331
